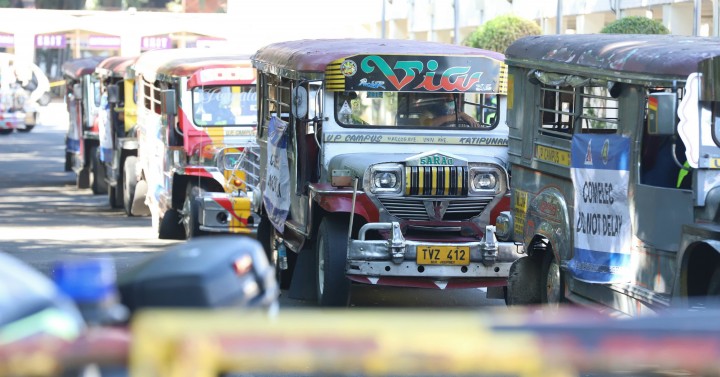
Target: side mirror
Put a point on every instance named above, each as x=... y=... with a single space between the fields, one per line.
x=113 y=93
x=662 y=110
x=169 y=106
x=299 y=102
x=77 y=91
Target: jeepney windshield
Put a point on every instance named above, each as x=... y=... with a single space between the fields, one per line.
x=225 y=105
x=417 y=110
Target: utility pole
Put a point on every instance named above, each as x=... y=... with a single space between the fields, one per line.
x=558 y=18
x=382 y=25
x=456 y=31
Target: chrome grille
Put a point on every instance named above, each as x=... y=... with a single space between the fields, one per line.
x=415 y=209
x=436 y=180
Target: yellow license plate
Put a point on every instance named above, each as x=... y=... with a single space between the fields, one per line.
x=452 y=255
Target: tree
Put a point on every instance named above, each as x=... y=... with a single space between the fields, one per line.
x=498 y=33
x=635 y=25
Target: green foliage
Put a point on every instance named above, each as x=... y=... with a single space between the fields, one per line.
x=498 y=33
x=635 y=25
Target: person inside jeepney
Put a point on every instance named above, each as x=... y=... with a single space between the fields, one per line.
x=443 y=110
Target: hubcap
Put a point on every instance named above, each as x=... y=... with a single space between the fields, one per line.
x=553 y=284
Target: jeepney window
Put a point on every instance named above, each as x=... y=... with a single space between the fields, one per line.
x=563 y=106
x=225 y=105
x=557 y=114
x=417 y=110
x=599 y=110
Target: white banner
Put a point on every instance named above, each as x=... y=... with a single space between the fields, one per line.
x=602 y=228
x=276 y=195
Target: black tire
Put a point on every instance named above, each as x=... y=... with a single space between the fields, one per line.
x=333 y=286
x=68 y=161
x=713 y=292
x=171 y=227
x=99 y=185
x=83 y=178
x=552 y=288
x=191 y=211
x=129 y=180
x=266 y=235
x=6 y=131
x=27 y=128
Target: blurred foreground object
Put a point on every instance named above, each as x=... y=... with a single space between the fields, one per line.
x=211 y=272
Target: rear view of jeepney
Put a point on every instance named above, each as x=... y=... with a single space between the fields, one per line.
x=384 y=163
x=23 y=89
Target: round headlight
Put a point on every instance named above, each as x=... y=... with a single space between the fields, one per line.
x=385 y=179
x=484 y=181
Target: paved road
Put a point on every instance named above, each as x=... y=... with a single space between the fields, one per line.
x=45 y=218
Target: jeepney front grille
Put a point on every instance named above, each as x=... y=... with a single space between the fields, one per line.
x=436 y=180
x=415 y=208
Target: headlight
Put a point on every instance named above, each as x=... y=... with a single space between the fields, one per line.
x=385 y=178
x=486 y=180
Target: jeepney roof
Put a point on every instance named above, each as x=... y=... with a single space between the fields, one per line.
x=314 y=55
x=115 y=66
x=77 y=68
x=620 y=56
x=183 y=62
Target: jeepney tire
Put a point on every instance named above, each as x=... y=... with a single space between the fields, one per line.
x=129 y=181
x=524 y=282
x=97 y=168
x=170 y=227
x=265 y=235
x=83 y=178
x=552 y=289
x=713 y=291
x=27 y=128
x=68 y=161
x=333 y=286
x=6 y=131
x=191 y=211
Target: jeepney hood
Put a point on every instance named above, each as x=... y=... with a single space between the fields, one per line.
x=357 y=163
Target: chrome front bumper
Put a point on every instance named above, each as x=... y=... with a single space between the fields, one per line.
x=398 y=257
x=225 y=213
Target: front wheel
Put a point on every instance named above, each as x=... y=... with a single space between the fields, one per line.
x=553 y=286
x=99 y=185
x=129 y=181
x=333 y=287
x=191 y=211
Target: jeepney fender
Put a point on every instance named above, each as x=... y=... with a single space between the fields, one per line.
x=703 y=250
x=340 y=201
x=547 y=216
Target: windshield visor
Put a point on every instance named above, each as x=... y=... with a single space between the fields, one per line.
x=417 y=110
x=225 y=105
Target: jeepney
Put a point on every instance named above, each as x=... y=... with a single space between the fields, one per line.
x=23 y=89
x=116 y=125
x=196 y=114
x=362 y=183
x=615 y=201
x=82 y=142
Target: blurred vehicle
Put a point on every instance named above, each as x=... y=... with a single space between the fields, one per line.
x=197 y=116
x=117 y=125
x=614 y=160
x=82 y=143
x=44 y=333
x=361 y=185
x=23 y=89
